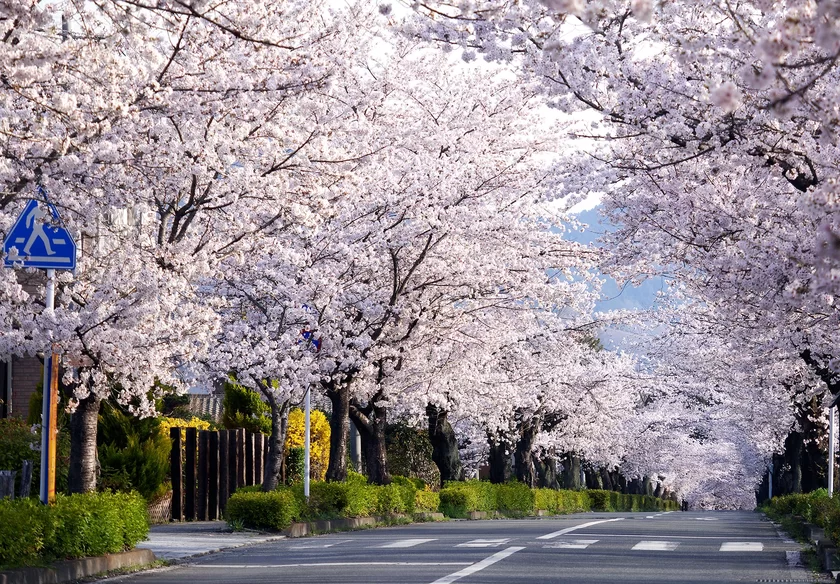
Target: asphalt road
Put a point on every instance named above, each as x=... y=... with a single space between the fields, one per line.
x=597 y=548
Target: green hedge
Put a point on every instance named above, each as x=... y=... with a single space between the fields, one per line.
x=352 y=498
x=426 y=502
x=516 y=500
x=815 y=507
x=356 y=498
x=257 y=510
x=612 y=501
x=76 y=526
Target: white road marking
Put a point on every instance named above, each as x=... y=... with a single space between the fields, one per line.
x=576 y=527
x=318 y=546
x=648 y=535
x=571 y=544
x=321 y=564
x=405 y=543
x=656 y=546
x=649 y=517
x=741 y=546
x=483 y=543
x=705 y=518
x=478 y=566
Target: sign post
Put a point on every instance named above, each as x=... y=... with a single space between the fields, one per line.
x=37 y=240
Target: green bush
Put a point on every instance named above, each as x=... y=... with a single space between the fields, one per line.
x=20 y=442
x=561 y=502
x=76 y=526
x=22 y=532
x=426 y=501
x=243 y=407
x=601 y=500
x=390 y=499
x=133 y=453
x=327 y=500
x=275 y=510
x=515 y=499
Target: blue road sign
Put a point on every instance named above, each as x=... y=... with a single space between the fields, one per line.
x=37 y=241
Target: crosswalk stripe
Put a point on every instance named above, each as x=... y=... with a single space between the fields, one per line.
x=572 y=544
x=741 y=546
x=656 y=546
x=483 y=543
x=405 y=543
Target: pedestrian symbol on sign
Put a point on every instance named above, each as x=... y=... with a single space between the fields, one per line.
x=35 y=241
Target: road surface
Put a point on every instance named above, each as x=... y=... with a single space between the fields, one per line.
x=597 y=548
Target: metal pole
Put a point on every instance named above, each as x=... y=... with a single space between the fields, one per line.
x=830 y=451
x=306 y=449
x=47 y=491
x=355 y=447
x=770 y=481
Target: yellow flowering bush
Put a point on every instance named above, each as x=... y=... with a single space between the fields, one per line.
x=319 y=439
x=167 y=423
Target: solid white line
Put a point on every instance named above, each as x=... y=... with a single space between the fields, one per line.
x=741 y=546
x=576 y=527
x=405 y=543
x=478 y=566
x=656 y=546
x=321 y=564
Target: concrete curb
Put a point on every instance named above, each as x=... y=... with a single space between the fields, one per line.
x=333 y=525
x=71 y=570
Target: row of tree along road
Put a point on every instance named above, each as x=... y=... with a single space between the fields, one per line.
x=369 y=203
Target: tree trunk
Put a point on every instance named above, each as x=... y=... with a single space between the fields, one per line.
x=444 y=445
x=339 y=395
x=547 y=472
x=273 y=475
x=371 y=422
x=499 y=460
x=571 y=472
x=606 y=480
x=84 y=459
x=522 y=454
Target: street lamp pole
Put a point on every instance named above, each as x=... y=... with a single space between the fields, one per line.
x=831 y=447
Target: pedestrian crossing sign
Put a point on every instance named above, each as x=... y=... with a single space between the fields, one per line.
x=38 y=241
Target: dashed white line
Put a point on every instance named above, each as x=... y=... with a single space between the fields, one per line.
x=576 y=527
x=656 y=546
x=572 y=544
x=741 y=546
x=405 y=543
x=478 y=566
x=483 y=543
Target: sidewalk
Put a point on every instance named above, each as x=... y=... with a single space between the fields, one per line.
x=177 y=541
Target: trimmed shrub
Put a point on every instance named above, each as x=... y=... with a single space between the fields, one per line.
x=515 y=499
x=390 y=499
x=601 y=500
x=275 y=510
x=90 y=524
x=408 y=488
x=454 y=502
x=459 y=498
x=22 y=531
x=362 y=498
x=326 y=500
x=426 y=501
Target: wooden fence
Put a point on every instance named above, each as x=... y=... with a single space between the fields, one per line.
x=208 y=468
x=7 y=481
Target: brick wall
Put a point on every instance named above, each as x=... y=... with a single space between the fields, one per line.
x=26 y=375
